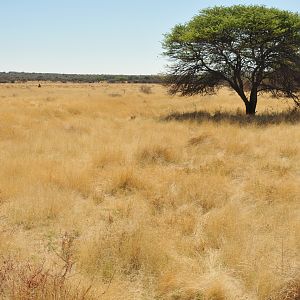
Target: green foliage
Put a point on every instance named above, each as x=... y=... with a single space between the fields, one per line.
x=252 y=49
x=237 y=23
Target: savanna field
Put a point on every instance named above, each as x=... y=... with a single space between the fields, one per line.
x=120 y=191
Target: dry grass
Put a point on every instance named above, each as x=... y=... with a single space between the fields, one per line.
x=157 y=197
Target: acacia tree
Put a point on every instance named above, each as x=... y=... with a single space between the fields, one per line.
x=251 y=49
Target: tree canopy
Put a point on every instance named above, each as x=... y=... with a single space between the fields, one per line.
x=252 y=49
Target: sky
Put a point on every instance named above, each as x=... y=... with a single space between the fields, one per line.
x=96 y=36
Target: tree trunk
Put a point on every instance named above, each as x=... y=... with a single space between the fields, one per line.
x=250 y=108
x=251 y=104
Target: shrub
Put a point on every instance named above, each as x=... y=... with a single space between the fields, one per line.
x=146 y=89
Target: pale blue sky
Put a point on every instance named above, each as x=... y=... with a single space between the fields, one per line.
x=95 y=36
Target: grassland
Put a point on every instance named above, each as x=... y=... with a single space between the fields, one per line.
x=102 y=196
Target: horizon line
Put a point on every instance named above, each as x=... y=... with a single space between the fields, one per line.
x=71 y=73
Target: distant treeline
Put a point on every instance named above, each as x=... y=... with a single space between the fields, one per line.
x=11 y=77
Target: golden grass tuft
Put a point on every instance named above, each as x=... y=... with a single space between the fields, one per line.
x=155 y=154
x=202 y=204
x=288 y=291
x=122 y=248
x=41 y=205
x=124 y=181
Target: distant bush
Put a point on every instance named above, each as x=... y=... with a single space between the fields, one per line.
x=146 y=89
x=78 y=78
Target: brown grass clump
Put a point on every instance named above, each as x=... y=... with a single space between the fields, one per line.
x=28 y=281
x=124 y=181
x=41 y=205
x=123 y=249
x=289 y=291
x=155 y=154
x=104 y=197
x=146 y=89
